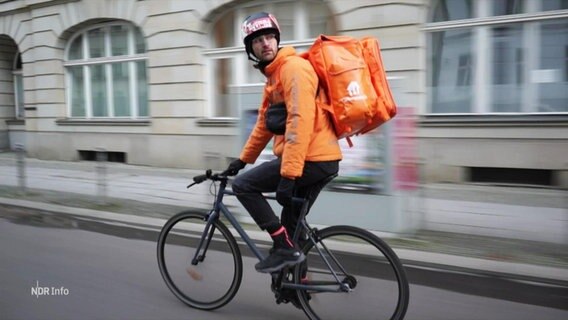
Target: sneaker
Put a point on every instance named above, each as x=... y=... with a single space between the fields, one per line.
x=280 y=258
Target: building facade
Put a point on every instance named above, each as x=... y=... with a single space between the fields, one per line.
x=167 y=83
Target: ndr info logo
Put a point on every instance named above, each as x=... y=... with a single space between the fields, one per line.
x=49 y=291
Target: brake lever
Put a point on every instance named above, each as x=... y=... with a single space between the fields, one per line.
x=201 y=178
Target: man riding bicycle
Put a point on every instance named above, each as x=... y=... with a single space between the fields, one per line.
x=307 y=150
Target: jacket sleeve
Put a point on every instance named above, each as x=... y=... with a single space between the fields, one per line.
x=299 y=82
x=259 y=137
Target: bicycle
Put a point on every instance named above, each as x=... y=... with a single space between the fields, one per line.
x=345 y=267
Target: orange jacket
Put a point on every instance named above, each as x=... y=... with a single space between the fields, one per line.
x=309 y=130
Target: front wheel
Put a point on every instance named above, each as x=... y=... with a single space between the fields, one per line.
x=215 y=280
x=373 y=281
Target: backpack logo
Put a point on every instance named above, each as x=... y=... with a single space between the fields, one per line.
x=353 y=88
x=354 y=91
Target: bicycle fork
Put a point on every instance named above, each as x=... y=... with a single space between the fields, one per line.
x=209 y=230
x=205 y=240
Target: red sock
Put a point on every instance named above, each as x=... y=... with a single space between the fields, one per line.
x=281 y=238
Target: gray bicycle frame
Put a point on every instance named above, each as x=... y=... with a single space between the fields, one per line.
x=219 y=207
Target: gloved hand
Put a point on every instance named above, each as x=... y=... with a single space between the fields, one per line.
x=285 y=191
x=234 y=167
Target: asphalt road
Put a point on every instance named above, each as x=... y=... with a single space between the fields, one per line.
x=91 y=269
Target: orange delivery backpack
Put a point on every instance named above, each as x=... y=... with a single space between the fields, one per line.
x=352 y=74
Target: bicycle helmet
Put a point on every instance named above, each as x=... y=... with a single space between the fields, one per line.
x=258 y=24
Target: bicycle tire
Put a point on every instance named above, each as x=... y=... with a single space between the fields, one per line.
x=178 y=240
x=380 y=286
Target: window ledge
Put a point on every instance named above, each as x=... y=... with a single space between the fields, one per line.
x=103 y=122
x=494 y=120
x=218 y=122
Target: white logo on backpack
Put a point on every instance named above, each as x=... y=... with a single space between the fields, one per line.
x=353 y=88
x=354 y=91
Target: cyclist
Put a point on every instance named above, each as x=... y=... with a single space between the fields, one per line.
x=307 y=152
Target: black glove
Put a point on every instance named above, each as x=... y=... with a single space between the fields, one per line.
x=285 y=191
x=234 y=167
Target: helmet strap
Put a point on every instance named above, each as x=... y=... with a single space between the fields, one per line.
x=252 y=57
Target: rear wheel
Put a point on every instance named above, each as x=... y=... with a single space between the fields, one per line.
x=375 y=284
x=215 y=280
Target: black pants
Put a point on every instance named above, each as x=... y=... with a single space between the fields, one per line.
x=265 y=178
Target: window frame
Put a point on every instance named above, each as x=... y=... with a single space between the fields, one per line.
x=481 y=27
x=107 y=62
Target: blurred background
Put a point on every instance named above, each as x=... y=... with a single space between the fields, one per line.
x=481 y=88
x=109 y=107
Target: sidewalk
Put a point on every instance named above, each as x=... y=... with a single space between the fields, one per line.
x=147 y=196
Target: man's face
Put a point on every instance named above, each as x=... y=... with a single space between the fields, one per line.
x=265 y=47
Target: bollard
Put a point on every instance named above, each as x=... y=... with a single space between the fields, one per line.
x=21 y=163
x=101 y=175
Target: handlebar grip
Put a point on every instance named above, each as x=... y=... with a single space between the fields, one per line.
x=202 y=177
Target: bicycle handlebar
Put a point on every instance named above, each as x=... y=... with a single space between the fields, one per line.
x=223 y=176
x=209 y=175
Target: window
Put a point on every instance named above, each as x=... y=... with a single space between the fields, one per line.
x=512 y=60
x=18 y=87
x=506 y=66
x=552 y=79
x=505 y=7
x=106 y=73
x=451 y=10
x=566 y=63
x=464 y=70
x=554 y=5
x=235 y=85
x=450 y=80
